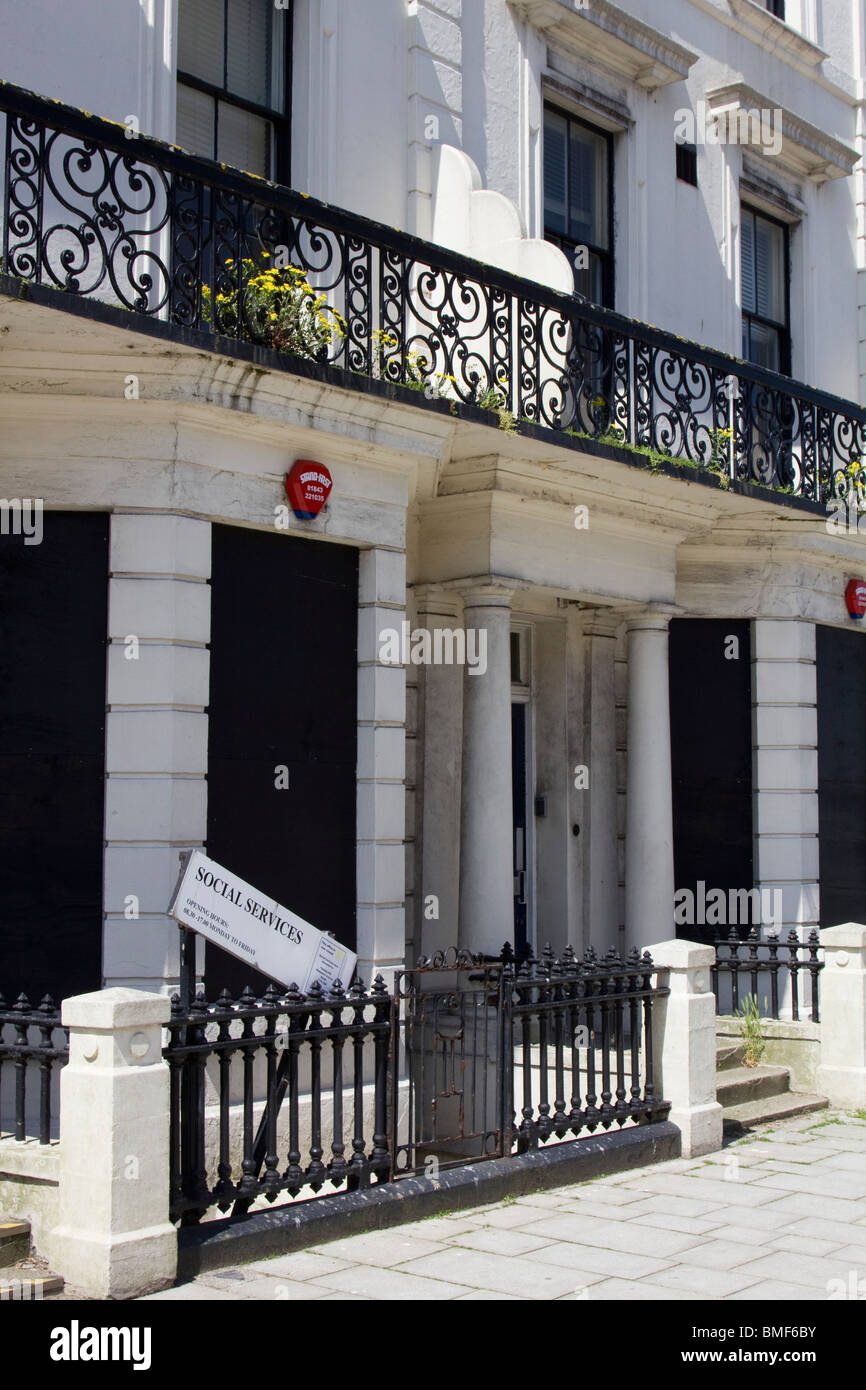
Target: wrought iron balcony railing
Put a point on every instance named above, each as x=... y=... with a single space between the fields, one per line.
x=213 y=254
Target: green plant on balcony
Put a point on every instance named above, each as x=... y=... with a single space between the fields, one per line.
x=415 y=374
x=720 y=457
x=276 y=306
x=494 y=399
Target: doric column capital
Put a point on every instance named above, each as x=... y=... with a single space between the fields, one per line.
x=487 y=590
x=649 y=617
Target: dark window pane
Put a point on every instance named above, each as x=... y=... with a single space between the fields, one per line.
x=248 y=67
x=200 y=40
x=244 y=140
x=195 y=121
x=555 y=203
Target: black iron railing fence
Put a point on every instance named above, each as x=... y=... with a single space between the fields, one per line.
x=137 y=225
x=484 y=1060
x=33 y=1047
x=774 y=973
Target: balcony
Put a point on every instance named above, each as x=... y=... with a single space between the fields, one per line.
x=136 y=233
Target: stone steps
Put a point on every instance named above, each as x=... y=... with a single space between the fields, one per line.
x=736 y=1085
x=737 y=1118
x=14 y=1240
x=756 y=1095
x=22 y=1275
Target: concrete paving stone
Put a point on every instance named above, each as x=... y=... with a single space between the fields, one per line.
x=775 y=1291
x=507 y=1217
x=302 y=1265
x=805 y=1245
x=815 y=1272
x=613 y=1235
x=743 y=1235
x=805 y=1151
x=745 y=1155
x=721 y=1254
x=345 y=1298
x=855 y=1255
x=385 y=1248
x=688 y=1225
x=550 y=1201
x=265 y=1290
x=387 y=1284
x=747 y=1169
x=707 y=1283
x=500 y=1242
x=601 y=1193
x=626 y=1290
x=843 y=1232
x=772 y=1217
x=812 y=1204
x=596 y=1262
x=443 y=1228
x=189 y=1293
x=672 y=1206
x=487 y=1296
x=710 y=1189
x=844 y=1186
x=843 y=1161
x=604 y=1213
x=500 y=1273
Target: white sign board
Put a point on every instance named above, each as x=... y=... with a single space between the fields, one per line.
x=222 y=907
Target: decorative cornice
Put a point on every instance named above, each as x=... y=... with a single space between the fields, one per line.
x=598 y=28
x=805 y=150
x=774 y=34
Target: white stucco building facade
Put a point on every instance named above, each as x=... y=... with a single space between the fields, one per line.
x=551 y=797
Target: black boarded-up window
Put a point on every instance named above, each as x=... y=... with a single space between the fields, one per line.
x=841 y=658
x=711 y=760
x=53 y=623
x=283 y=693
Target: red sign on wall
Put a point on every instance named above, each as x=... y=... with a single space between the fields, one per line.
x=308 y=486
x=855 y=597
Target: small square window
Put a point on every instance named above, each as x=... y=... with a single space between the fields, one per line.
x=687 y=163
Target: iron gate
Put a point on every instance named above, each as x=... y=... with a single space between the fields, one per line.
x=450 y=1027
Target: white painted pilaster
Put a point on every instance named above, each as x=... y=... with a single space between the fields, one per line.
x=785 y=744
x=381 y=767
x=649 y=879
x=438 y=784
x=486 y=853
x=598 y=802
x=156 y=735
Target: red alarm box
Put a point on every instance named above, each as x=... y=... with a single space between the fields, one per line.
x=855 y=598
x=308 y=486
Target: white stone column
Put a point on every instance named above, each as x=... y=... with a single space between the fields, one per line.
x=114 y=1238
x=156 y=735
x=598 y=802
x=486 y=841
x=684 y=1043
x=437 y=819
x=786 y=774
x=381 y=766
x=841 y=1075
x=649 y=852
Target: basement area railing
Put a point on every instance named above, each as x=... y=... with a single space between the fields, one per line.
x=779 y=975
x=466 y=1060
x=33 y=1047
x=220 y=258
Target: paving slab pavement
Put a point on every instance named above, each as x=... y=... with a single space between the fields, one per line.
x=779 y=1214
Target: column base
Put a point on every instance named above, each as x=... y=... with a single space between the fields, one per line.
x=843 y=1086
x=700 y=1127
x=121 y=1266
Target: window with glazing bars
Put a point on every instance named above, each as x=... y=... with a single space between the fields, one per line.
x=234 y=84
x=578 y=171
x=764 y=285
